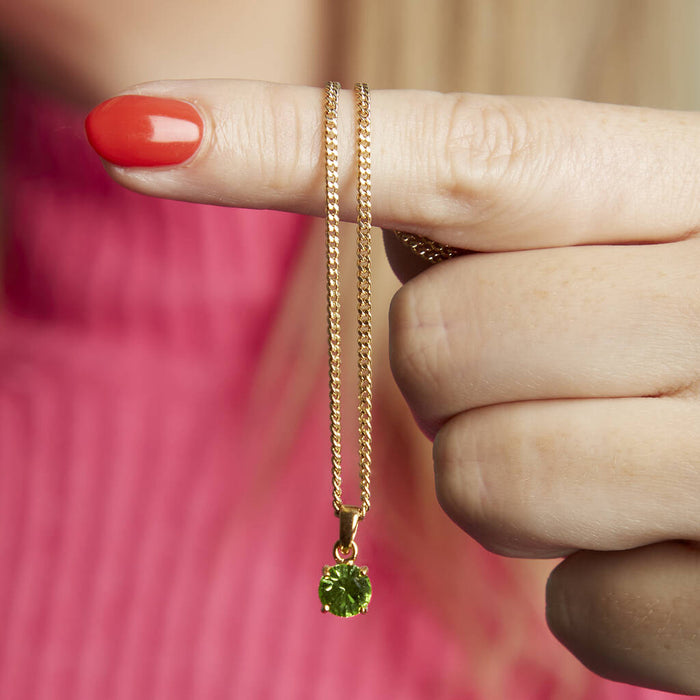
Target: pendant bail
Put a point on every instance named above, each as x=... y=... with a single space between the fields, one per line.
x=349 y=519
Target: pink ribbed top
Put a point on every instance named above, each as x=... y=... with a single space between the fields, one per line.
x=141 y=555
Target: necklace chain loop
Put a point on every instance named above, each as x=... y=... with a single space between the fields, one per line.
x=364 y=315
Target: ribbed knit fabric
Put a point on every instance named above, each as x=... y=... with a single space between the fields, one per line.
x=141 y=556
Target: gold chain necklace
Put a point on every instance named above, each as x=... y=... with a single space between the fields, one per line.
x=345 y=589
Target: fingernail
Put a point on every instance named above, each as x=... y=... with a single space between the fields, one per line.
x=142 y=131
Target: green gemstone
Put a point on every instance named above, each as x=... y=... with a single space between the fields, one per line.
x=344 y=590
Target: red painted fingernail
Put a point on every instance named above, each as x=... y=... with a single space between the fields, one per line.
x=141 y=131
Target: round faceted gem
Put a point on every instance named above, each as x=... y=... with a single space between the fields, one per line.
x=344 y=590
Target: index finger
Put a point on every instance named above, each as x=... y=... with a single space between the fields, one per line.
x=477 y=172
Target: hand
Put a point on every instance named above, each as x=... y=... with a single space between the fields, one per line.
x=557 y=367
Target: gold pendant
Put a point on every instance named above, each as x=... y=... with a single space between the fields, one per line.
x=345 y=589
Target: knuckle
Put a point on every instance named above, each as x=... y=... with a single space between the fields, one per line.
x=267 y=137
x=224 y=135
x=485 y=482
x=485 y=145
x=462 y=492
x=603 y=605
x=419 y=347
x=287 y=134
